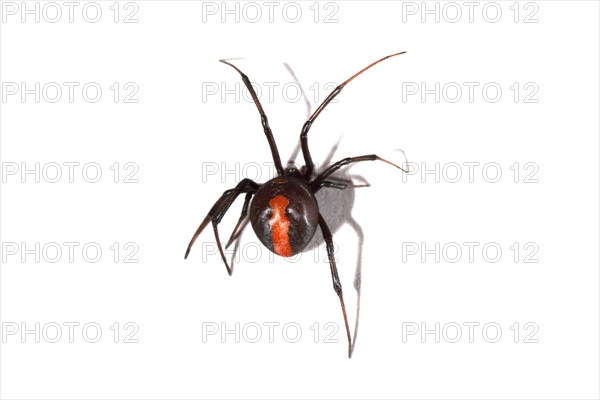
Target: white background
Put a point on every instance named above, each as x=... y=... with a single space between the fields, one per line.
x=177 y=131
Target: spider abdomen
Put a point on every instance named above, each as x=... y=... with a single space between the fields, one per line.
x=284 y=215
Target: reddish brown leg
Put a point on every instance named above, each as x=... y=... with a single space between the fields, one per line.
x=217 y=212
x=337 y=285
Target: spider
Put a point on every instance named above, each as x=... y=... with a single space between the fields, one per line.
x=283 y=211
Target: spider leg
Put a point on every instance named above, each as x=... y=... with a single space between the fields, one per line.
x=336 y=184
x=218 y=210
x=263 y=119
x=318 y=182
x=235 y=232
x=216 y=231
x=337 y=285
x=306 y=127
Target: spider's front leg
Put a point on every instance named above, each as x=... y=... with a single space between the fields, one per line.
x=321 y=180
x=337 y=285
x=219 y=209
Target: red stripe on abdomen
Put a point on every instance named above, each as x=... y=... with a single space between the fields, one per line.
x=280 y=226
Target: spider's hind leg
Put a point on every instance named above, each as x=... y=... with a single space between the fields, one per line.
x=337 y=285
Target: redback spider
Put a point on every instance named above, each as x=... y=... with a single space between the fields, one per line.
x=284 y=212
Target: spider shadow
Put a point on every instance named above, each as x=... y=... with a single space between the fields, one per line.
x=335 y=205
